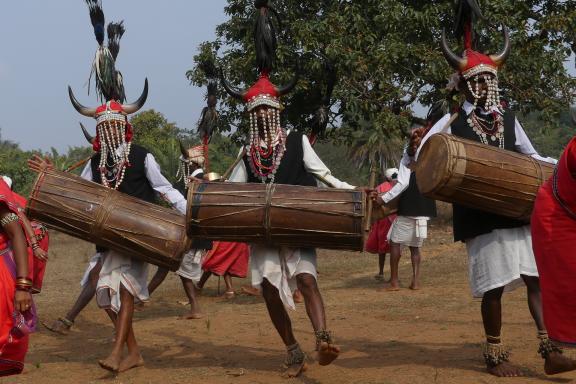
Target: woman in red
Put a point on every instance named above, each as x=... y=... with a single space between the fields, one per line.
x=17 y=313
x=377 y=241
x=553 y=239
x=226 y=259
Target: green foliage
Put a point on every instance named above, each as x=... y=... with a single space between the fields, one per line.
x=387 y=55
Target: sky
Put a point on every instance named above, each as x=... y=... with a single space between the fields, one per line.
x=48 y=45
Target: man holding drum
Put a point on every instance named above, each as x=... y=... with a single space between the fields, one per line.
x=276 y=156
x=128 y=168
x=499 y=248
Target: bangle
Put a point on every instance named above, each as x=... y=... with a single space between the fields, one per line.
x=35 y=246
x=9 y=218
x=23 y=288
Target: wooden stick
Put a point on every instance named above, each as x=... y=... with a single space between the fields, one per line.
x=372 y=185
x=234 y=164
x=78 y=164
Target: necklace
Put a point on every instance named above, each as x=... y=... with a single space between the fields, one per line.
x=486 y=129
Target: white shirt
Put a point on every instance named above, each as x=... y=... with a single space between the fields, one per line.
x=523 y=145
x=312 y=164
x=157 y=181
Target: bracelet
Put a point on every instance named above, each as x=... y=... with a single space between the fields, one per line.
x=23 y=288
x=35 y=246
x=9 y=218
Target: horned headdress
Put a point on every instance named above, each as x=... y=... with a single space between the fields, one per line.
x=264 y=161
x=473 y=64
x=112 y=127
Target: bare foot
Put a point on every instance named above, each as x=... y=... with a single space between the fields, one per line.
x=191 y=316
x=295 y=370
x=58 y=326
x=111 y=363
x=557 y=363
x=504 y=369
x=131 y=361
x=229 y=295
x=414 y=286
x=251 y=291
x=379 y=277
x=327 y=353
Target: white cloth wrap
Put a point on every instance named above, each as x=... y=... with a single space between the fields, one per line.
x=95 y=259
x=191 y=265
x=408 y=231
x=497 y=259
x=280 y=266
x=117 y=270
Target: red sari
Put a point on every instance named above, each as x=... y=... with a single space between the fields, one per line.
x=36 y=266
x=553 y=240
x=227 y=257
x=377 y=241
x=14 y=326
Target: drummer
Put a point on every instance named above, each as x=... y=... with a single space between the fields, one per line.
x=190 y=167
x=274 y=155
x=500 y=256
x=120 y=165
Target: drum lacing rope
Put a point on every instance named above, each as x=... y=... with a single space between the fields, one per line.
x=557 y=195
x=267 y=212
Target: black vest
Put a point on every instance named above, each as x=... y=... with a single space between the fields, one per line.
x=467 y=222
x=412 y=203
x=135 y=182
x=291 y=170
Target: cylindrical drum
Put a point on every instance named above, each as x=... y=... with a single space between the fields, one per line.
x=92 y=212
x=480 y=176
x=277 y=214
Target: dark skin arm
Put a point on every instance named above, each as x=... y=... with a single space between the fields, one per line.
x=38 y=252
x=22 y=299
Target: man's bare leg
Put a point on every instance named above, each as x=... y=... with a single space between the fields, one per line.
x=157 y=279
x=492 y=319
x=395 y=254
x=415 y=257
x=63 y=325
x=296 y=362
x=124 y=334
x=327 y=351
x=381 y=262
x=195 y=312
x=554 y=362
x=205 y=276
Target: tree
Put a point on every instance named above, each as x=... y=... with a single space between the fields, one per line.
x=387 y=55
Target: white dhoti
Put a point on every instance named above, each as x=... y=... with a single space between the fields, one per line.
x=191 y=265
x=117 y=270
x=91 y=264
x=280 y=266
x=408 y=231
x=497 y=259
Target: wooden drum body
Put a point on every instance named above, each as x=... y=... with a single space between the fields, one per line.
x=479 y=176
x=276 y=214
x=109 y=218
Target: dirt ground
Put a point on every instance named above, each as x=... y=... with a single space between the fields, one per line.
x=428 y=336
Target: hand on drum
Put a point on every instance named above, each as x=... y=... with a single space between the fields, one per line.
x=415 y=139
x=39 y=164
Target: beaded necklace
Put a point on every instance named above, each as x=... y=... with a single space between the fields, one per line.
x=264 y=161
x=113 y=165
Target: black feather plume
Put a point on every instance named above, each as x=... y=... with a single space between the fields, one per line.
x=97 y=19
x=264 y=37
x=115 y=33
x=467 y=13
